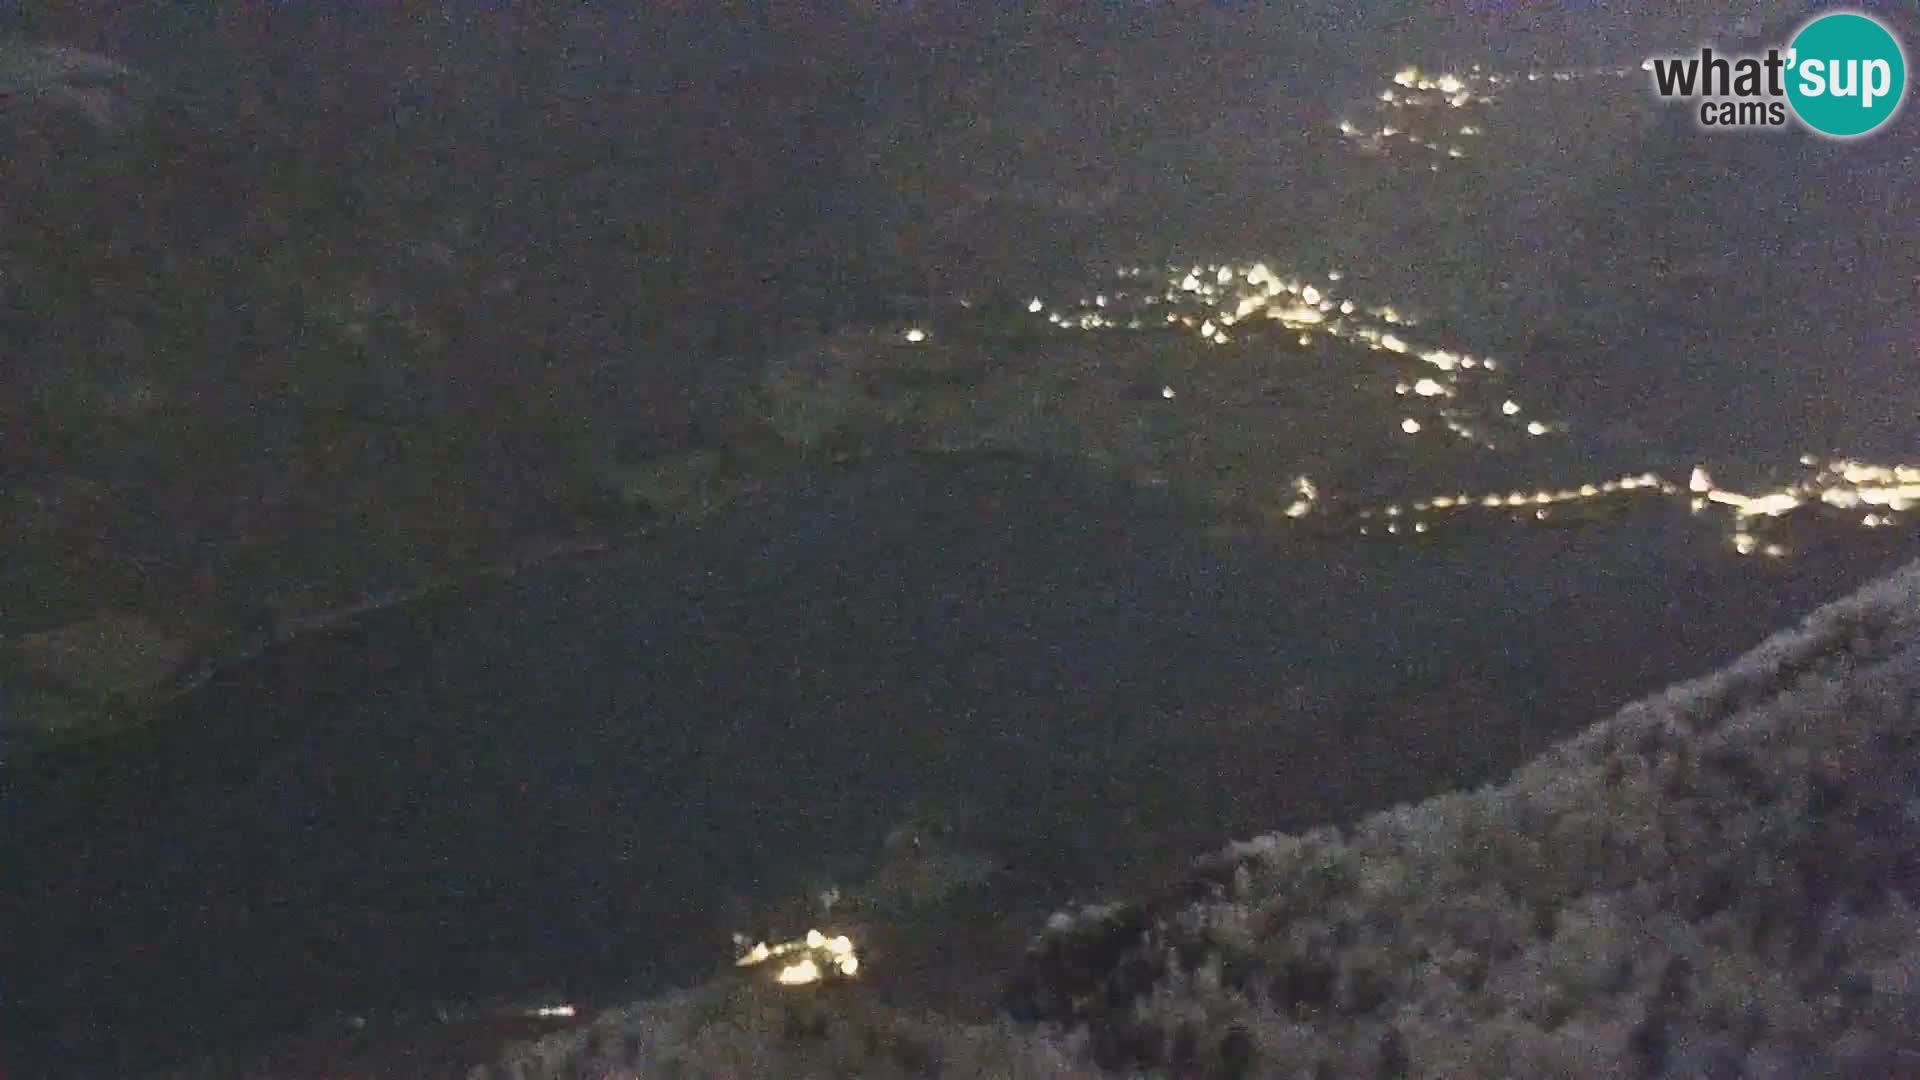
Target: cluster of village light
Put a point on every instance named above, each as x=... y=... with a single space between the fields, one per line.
x=804 y=961
x=1878 y=495
x=1254 y=307
x=1417 y=517
x=1442 y=114
x=1225 y=303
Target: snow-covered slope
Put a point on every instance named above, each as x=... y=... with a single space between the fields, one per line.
x=1719 y=880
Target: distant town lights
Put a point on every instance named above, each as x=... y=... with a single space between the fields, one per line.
x=1204 y=299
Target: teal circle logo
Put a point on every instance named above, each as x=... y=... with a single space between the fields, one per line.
x=1846 y=75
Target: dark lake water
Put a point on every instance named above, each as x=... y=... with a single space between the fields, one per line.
x=549 y=785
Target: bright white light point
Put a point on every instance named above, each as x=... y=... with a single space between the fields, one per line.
x=799 y=973
x=1386 y=96
x=1346 y=307
x=916 y=335
x=1699 y=482
x=1455 y=152
x=1535 y=427
x=1034 y=305
x=1469 y=130
x=1310 y=294
x=1346 y=128
x=1774 y=505
x=1419 y=526
x=1224 y=276
x=1393 y=344
x=1167 y=392
x=1449 y=84
x=1207 y=328
x=1334 y=275
x=1509 y=408
x=1306 y=339
x=1410 y=426
x=1100 y=301
x=1744 y=543
x=1190 y=283
x=1429 y=388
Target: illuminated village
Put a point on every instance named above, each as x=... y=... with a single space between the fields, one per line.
x=1253 y=313
x=805 y=960
x=1439 y=115
x=1261 y=314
